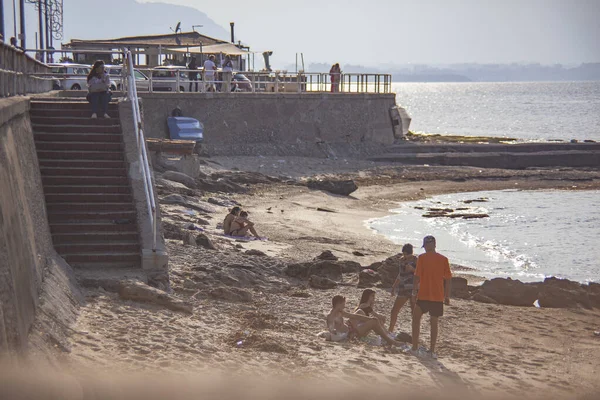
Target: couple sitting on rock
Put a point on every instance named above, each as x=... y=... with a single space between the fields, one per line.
x=237 y=224
x=360 y=323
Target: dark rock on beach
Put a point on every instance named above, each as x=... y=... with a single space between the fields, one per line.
x=188 y=202
x=181 y=178
x=319 y=282
x=325 y=268
x=563 y=293
x=341 y=187
x=326 y=255
x=368 y=278
x=510 y=292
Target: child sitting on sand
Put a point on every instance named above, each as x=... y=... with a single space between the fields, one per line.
x=338 y=330
x=241 y=225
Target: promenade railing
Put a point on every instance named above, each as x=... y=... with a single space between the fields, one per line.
x=132 y=96
x=20 y=74
x=265 y=82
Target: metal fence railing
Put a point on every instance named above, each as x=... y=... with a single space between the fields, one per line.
x=145 y=170
x=178 y=80
x=19 y=73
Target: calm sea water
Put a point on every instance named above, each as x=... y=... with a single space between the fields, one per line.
x=529 y=111
x=529 y=235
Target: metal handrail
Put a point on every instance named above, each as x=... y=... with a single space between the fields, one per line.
x=132 y=96
x=301 y=82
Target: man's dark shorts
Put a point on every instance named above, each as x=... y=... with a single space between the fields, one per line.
x=433 y=308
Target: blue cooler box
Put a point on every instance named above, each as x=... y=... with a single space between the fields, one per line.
x=185 y=128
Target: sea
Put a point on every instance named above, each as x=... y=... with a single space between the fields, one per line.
x=529 y=235
x=528 y=111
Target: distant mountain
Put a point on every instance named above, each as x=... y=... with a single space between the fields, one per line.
x=471 y=72
x=108 y=19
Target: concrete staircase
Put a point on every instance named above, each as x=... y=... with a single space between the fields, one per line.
x=88 y=194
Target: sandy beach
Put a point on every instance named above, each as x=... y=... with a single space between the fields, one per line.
x=250 y=319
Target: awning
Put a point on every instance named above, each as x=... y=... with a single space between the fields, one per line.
x=225 y=48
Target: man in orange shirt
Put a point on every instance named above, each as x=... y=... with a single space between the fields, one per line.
x=431 y=289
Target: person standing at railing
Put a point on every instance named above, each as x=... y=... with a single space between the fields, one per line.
x=193 y=75
x=335 y=73
x=98 y=86
x=209 y=73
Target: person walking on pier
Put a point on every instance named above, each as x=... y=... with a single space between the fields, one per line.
x=99 y=94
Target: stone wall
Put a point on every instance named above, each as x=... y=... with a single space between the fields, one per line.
x=277 y=123
x=25 y=240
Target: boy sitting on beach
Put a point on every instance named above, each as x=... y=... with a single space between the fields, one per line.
x=339 y=331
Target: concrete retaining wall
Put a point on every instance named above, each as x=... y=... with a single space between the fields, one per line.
x=262 y=123
x=25 y=240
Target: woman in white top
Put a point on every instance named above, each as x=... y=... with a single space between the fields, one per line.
x=98 y=86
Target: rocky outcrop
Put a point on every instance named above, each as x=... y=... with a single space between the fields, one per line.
x=562 y=293
x=460 y=288
x=181 y=178
x=326 y=255
x=510 y=292
x=368 y=278
x=341 y=187
x=388 y=271
x=323 y=268
x=138 y=291
x=319 y=282
x=231 y=294
x=188 y=202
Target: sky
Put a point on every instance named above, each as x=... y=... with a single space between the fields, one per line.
x=399 y=32
x=419 y=31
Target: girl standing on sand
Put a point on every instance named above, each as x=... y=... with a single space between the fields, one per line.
x=403 y=283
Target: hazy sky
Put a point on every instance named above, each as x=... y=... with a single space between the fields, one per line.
x=418 y=31
x=378 y=32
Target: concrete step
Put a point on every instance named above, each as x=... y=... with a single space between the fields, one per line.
x=414 y=148
x=59 y=171
x=107 y=129
x=91 y=189
x=81 y=163
x=79 y=146
x=77 y=137
x=499 y=160
x=88 y=207
x=95 y=237
x=66 y=105
x=76 y=121
x=91 y=217
x=71 y=113
x=92 y=226
x=80 y=155
x=85 y=180
x=99 y=260
x=100 y=247
x=88 y=198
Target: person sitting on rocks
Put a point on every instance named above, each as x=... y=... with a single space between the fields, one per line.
x=241 y=225
x=403 y=284
x=338 y=330
x=234 y=212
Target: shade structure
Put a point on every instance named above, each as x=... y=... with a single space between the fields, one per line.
x=225 y=48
